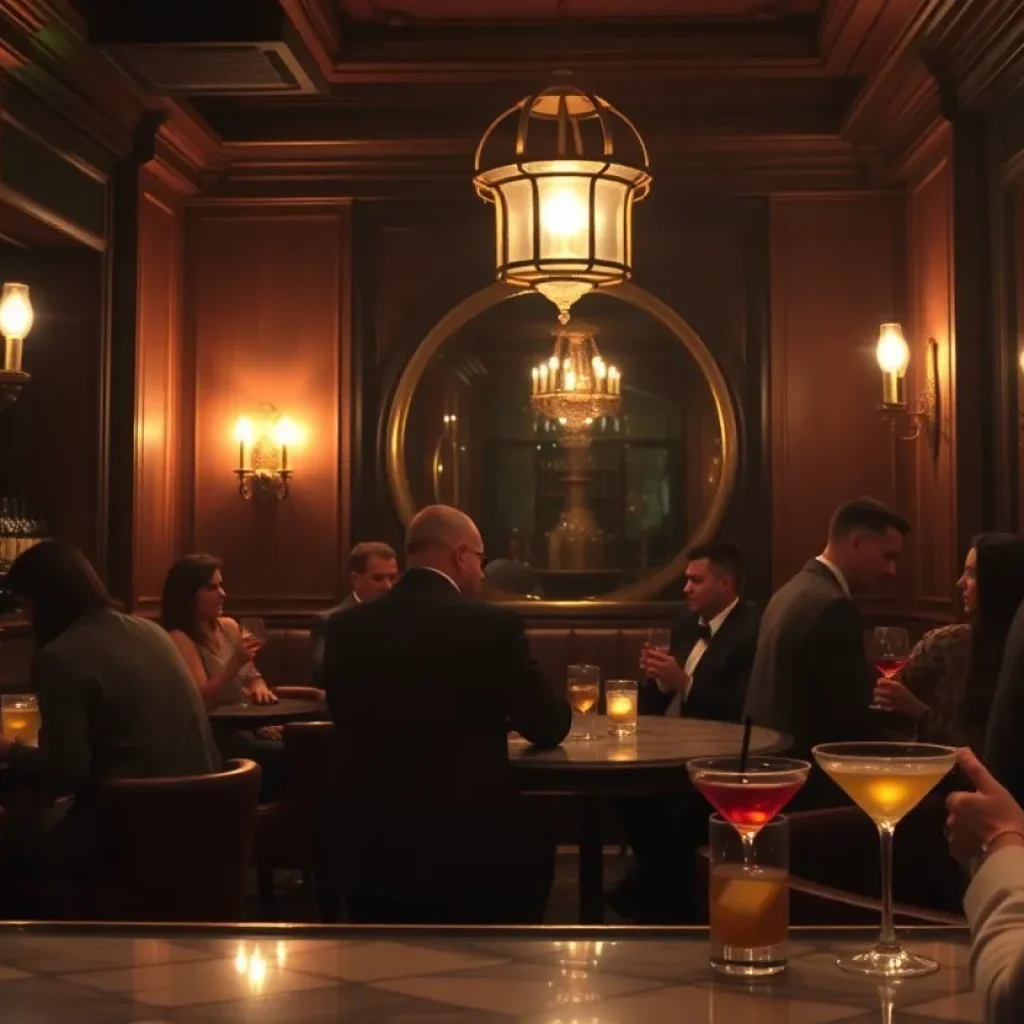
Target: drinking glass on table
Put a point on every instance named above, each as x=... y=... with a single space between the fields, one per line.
x=890 y=650
x=886 y=781
x=584 y=692
x=19 y=714
x=749 y=902
x=620 y=704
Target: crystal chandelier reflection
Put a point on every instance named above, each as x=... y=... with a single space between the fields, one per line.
x=563 y=169
x=575 y=386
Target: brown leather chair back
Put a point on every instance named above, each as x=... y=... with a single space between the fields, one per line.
x=285 y=829
x=180 y=848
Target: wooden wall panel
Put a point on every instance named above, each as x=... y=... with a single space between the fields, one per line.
x=836 y=274
x=267 y=315
x=158 y=368
x=930 y=288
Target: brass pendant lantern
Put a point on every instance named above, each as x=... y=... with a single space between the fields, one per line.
x=564 y=195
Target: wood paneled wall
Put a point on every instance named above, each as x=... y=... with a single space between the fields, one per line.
x=935 y=558
x=836 y=273
x=158 y=461
x=267 y=322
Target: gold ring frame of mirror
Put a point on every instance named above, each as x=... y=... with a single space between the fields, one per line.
x=479 y=302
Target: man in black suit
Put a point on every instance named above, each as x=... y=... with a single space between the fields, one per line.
x=811 y=679
x=423 y=686
x=705 y=672
x=372 y=572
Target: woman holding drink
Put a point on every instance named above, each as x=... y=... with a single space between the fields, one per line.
x=946 y=686
x=219 y=655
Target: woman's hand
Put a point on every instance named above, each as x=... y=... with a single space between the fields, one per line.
x=892 y=695
x=260 y=693
x=245 y=650
x=270 y=732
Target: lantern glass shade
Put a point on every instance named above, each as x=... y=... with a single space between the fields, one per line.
x=16 y=314
x=563 y=224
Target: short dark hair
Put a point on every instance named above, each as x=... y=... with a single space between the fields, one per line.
x=359 y=557
x=61 y=584
x=725 y=557
x=184 y=580
x=865 y=514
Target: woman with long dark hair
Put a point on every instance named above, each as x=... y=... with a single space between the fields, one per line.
x=948 y=683
x=115 y=699
x=219 y=657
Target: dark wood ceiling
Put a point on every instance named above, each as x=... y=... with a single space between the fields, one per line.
x=399 y=12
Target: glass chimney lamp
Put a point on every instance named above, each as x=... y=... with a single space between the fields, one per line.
x=16 y=317
x=263 y=441
x=893 y=355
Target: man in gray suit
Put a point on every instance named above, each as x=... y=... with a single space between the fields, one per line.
x=373 y=570
x=811 y=679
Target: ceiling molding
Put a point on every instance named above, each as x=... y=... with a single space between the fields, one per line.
x=317 y=24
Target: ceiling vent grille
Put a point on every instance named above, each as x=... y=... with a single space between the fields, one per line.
x=221 y=69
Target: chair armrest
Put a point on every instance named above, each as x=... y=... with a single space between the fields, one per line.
x=300 y=692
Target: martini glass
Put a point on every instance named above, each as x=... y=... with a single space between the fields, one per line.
x=748 y=796
x=886 y=780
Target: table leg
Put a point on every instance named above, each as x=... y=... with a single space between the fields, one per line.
x=591 y=861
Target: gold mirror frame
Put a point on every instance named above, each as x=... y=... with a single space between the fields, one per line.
x=479 y=302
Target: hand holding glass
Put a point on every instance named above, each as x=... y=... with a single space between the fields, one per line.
x=890 y=649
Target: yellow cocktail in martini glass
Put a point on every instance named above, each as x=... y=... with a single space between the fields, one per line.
x=886 y=781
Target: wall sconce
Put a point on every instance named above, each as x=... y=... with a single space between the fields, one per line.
x=893 y=356
x=263 y=442
x=16 y=319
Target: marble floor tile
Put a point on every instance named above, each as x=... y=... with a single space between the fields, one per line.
x=359 y=1003
x=708 y=1006
x=965 y=1007
x=183 y=984
x=379 y=960
x=522 y=988
x=62 y=954
x=45 y=1001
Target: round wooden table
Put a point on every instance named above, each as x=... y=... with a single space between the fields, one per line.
x=255 y=716
x=653 y=761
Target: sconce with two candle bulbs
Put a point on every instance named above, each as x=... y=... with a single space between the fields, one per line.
x=263 y=443
x=906 y=424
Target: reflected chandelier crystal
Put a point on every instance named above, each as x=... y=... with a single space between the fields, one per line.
x=575 y=386
x=564 y=196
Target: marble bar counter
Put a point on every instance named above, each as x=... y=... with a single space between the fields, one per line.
x=251 y=975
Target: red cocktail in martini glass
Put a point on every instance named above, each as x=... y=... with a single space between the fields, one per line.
x=748 y=795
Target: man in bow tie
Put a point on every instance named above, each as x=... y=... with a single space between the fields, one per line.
x=704 y=673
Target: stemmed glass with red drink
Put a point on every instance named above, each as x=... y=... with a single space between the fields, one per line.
x=890 y=651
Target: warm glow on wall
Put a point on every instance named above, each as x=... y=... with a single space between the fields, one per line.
x=893 y=355
x=266 y=443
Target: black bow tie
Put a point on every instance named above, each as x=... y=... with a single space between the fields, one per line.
x=704 y=632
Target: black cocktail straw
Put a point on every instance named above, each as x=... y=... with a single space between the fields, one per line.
x=748 y=724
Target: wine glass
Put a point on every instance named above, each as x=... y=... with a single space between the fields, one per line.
x=256 y=628
x=584 y=692
x=890 y=649
x=886 y=781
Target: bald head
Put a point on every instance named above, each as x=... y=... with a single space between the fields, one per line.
x=443 y=538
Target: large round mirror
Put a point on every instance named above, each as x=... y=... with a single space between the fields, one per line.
x=591 y=456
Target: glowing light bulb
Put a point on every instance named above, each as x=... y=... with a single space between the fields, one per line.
x=16 y=316
x=563 y=213
x=892 y=352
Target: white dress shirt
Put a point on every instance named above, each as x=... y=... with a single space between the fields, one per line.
x=994 y=906
x=836 y=571
x=693 y=660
